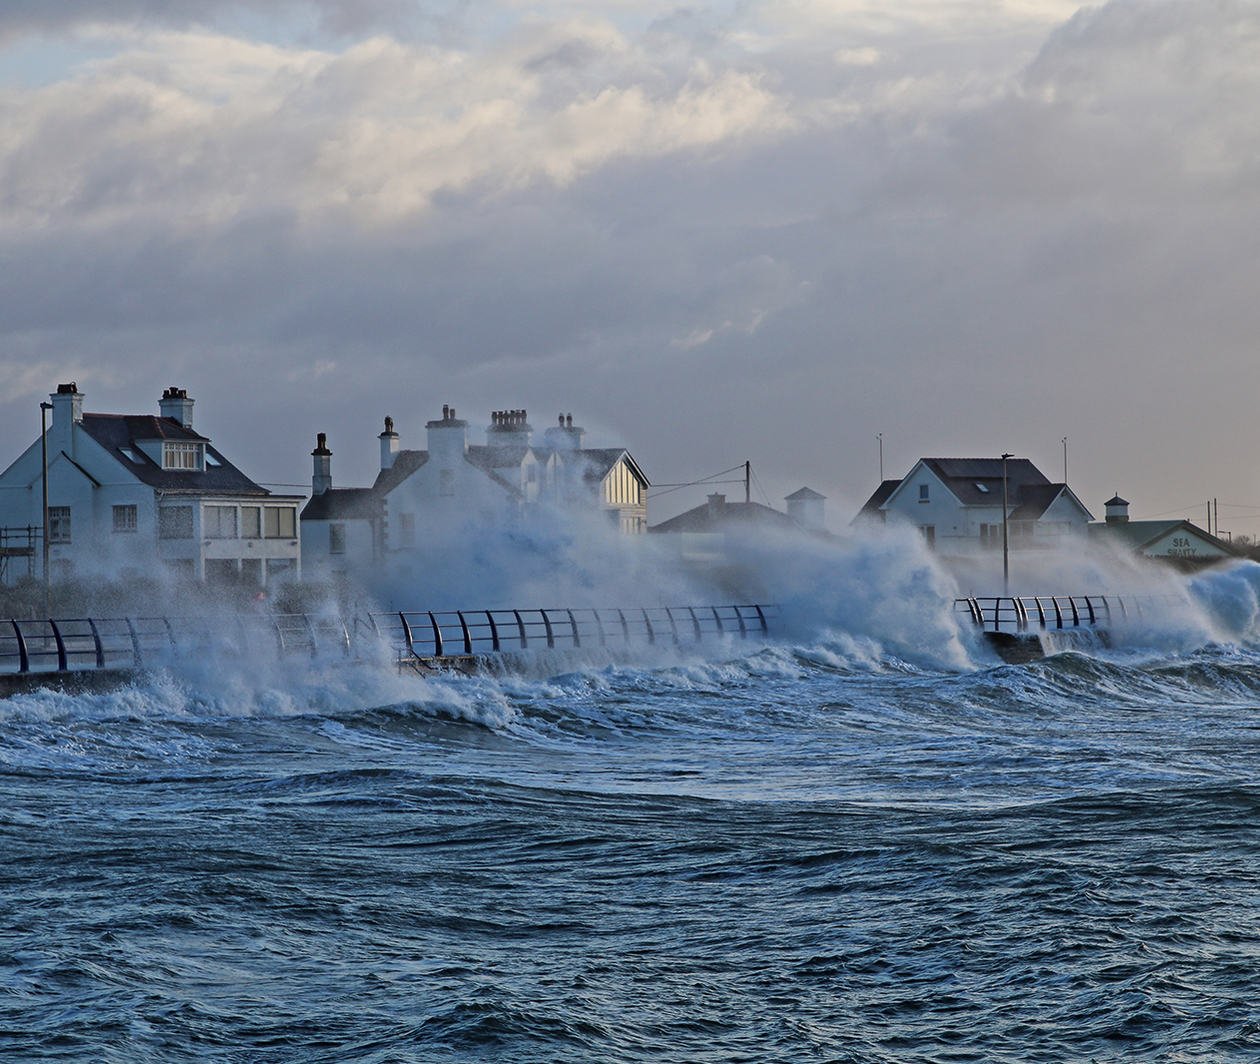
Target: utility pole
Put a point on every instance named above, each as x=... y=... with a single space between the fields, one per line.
x=1006 y=542
x=43 y=456
x=1064 y=459
x=880 y=436
x=747 y=482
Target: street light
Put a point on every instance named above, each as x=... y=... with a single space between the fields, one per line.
x=43 y=455
x=1006 y=542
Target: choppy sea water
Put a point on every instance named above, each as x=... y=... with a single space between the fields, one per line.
x=806 y=850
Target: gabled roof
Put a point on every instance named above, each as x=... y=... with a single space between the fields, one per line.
x=803 y=493
x=116 y=431
x=497 y=457
x=1034 y=500
x=879 y=497
x=706 y=518
x=978 y=481
x=600 y=461
x=405 y=463
x=343 y=504
x=1142 y=534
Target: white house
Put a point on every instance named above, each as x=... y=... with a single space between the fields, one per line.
x=427 y=496
x=957 y=504
x=131 y=492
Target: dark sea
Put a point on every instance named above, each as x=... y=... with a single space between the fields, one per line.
x=820 y=848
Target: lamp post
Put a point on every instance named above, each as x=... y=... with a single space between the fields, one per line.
x=43 y=456
x=880 y=436
x=1006 y=542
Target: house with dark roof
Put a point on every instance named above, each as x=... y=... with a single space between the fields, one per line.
x=425 y=496
x=1180 y=543
x=131 y=492
x=957 y=504
x=702 y=534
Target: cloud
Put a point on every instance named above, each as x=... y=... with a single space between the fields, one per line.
x=743 y=230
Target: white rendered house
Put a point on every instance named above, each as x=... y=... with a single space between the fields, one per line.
x=423 y=498
x=957 y=504
x=145 y=494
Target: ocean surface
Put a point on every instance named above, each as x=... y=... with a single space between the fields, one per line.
x=825 y=847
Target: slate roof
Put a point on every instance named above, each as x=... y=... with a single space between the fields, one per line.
x=343 y=504
x=115 y=431
x=405 y=463
x=969 y=477
x=1035 y=500
x=1141 y=534
x=705 y=518
x=600 y=460
x=879 y=497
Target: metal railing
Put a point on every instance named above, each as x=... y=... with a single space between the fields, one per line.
x=447 y=633
x=1043 y=613
x=95 y=643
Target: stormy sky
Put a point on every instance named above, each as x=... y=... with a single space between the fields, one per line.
x=713 y=231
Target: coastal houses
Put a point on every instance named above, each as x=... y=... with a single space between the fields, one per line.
x=957 y=504
x=1180 y=543
x=423 y=498
x=147 y=494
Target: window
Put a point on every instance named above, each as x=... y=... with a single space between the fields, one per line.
x=923 y=493
x=251 y=522
x=219 y=522
x=406 y=529
x=124 y=518
x=337 y=538
x=446 y=482
x=280 y=522
x=175 y=522
x=212 y=461
x=59 y=524
x=982 y=488
x=131 y=455
x=181 y=456
x=929 y=534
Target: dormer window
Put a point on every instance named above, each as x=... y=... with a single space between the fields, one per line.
x=182 y=456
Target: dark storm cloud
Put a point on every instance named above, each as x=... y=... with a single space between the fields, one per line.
x=739 y=240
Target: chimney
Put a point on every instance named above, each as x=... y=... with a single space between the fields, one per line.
x=176 y=404
x=67 y=409
x=389 y=444
x=1117 y=511
x=321 y=477
x=448 y=439
x=565 y=436
x=717 y=506
x=509 y=428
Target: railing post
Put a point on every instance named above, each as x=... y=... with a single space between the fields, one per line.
x=551 y=636
x=24 y=658
x=695 y=622
x=765 y=628
x=437 y=635
x=717 y=619
x=310 y=630
x=599 y=627
x=62 y=666
x=135 y=643
x=743 y=627
x=96 y=638
x=577 y=639
x=406 y=627
x=494 y=631
x=625 y=627
x=520 y=627
x=673 y=627
x=647 y=623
